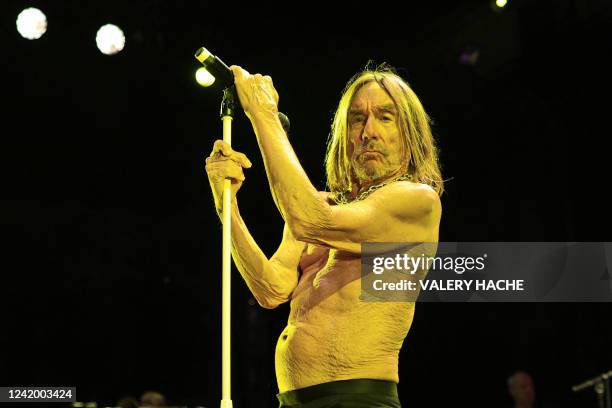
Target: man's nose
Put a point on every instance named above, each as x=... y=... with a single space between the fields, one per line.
x=370 y=130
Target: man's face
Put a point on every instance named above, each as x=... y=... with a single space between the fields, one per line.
x=374 y=137
x=522 y=389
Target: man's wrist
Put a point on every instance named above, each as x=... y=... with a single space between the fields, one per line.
x=265 y=118
x=234 y=207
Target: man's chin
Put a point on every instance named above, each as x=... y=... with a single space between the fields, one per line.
x=370 y=173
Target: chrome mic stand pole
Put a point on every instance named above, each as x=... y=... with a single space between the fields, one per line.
x=228 y=107
x=223 y=75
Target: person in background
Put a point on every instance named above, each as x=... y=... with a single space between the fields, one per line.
x=127 y=402
x=521 y=389
x=152 y=399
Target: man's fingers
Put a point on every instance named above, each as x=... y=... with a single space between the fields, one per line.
x=223 y=151
x=234 y=171
x=225 y=169
x=221 y=147
x=217 y=146
x=239 y=73
x=244 y=161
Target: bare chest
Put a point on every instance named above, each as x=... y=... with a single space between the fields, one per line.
x=329 y=281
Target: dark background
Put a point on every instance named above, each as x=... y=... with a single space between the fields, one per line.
x=111 y=258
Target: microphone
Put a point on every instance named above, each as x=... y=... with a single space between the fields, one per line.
x=285 y=122
x=225 y=77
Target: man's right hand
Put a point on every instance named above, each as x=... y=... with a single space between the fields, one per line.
x=224 y=162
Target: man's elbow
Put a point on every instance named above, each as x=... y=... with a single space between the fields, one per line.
x=297 y=228
x=306 y=223
x=279 y=285
x=269 y=303
x=275 y=295
x=307 y=230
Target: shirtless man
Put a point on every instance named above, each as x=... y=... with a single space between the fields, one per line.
x=385 y=183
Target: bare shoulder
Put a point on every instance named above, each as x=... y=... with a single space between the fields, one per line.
x=408 y=189
x=407 y=198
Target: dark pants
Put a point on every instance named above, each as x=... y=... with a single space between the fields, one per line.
x=343 y=394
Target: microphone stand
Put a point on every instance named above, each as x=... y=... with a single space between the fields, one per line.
x=601 y=386
x=228 y=108
x=221 y=72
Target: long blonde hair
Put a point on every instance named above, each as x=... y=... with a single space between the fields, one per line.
x=414 y=127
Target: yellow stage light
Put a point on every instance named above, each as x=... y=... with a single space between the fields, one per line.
x=204 y=77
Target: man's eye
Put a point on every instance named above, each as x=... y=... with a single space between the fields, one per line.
x=387 y=118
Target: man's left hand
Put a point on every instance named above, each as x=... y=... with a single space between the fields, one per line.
x=256 y=92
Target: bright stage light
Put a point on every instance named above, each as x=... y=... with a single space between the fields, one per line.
x=110 y=39
x=500 y=6
x=204 y=77
x=31 y=23
x=501 y=3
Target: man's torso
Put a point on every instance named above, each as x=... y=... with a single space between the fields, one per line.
x=330 y=334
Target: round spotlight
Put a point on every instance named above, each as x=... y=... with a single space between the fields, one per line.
x=204 y=77
x=110 y=39
x=31 y=23
x=500 y=6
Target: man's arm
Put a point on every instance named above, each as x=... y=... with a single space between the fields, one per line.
x=399 y=212
x=270 y=280
x=402 y=211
